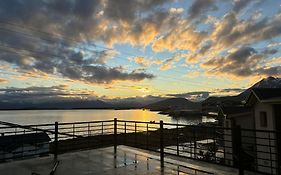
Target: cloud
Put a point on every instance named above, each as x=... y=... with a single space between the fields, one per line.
x=199 y=53
x=231 y=31
x=195 y=96
x=198 y=7
x=231 y=90
x=193 y=74
x=51 y=36
x=270 y=51
x=58 y=37
x=180 y=38
x=165 y=64
x=145 y=62
x=240 y=4
x=274 y=44
x=40 y=94
x=169 y=62
x=176 y=10
x=243 y=62
x=128 y=10
x=3 y=80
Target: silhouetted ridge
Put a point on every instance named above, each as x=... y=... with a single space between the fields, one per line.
x=174 y=104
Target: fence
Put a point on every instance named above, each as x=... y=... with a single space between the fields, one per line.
x=252 y=150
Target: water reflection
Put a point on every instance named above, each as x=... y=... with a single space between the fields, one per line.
x=191 y=120
x=51 y=116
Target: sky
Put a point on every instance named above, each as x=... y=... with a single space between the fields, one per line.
x=114 y=49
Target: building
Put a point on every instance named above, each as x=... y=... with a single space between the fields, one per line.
x=260 y=122
x=241 y=116
x=266 y=109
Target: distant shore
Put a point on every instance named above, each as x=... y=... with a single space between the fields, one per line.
x=68 y=109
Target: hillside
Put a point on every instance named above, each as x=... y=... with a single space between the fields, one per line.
x=210 y=104
x=174 y=104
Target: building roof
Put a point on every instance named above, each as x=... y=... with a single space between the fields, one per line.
x=11 y=142
x=265 y=95
x=232 y=111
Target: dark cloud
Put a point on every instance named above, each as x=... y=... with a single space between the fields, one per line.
x=270 y=51
x=241 y=55
x=231 y=31
x=51 y=37
x=129 y=10
x=240 y=4
x=198 y=7
x=244 y=62
x=270 y=71
x=36 y=94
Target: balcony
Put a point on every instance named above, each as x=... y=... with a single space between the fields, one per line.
x=131 y=147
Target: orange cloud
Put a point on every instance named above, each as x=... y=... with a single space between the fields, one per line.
x=180 y=38
x=2 y=81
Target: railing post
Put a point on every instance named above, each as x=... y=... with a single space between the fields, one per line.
x=194 y=143
x=135 y=134
x=115 y=136
x=178 y=152
x=125 y=131
x=146 y=138
x=56 y=141
x=161 y=144
x=102 y=128
x=237 y=149
x=89 y=129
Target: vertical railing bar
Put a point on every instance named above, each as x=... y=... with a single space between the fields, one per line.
x=270 y=155
x=177 y=134
x=102 y=128
x=88 y=129
x=56 y=141
x=161 y=145
x=146 y=136
x=135 y=134
x=125 y=137
x=73 y=130
x=115 y=136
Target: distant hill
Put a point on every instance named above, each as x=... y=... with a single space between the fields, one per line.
x=210 y=104
x=64 y=104
x=174 y=104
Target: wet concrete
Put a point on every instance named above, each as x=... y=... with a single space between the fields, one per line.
x=100 y=161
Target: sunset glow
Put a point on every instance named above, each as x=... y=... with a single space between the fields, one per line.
x=103 y=49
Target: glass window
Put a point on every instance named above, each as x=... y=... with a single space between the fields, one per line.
x=263 y=119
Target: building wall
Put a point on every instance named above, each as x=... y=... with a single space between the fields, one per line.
x=228 y=142
x=245 y=121
x=265 y=141
x=259 y=107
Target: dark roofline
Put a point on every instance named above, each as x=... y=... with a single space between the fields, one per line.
x=235 y=112
x=269 y=100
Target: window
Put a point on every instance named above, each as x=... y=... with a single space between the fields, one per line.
x=227 y=123
x=263 y=119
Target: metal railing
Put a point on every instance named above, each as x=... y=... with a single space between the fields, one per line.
x=245 y=149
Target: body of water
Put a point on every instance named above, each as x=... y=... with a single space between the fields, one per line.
x=51 y=116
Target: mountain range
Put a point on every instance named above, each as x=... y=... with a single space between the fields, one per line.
x=149 y=102
x=210 y=104
x=174 y=104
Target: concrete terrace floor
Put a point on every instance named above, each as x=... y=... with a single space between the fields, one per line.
x=101 y=161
